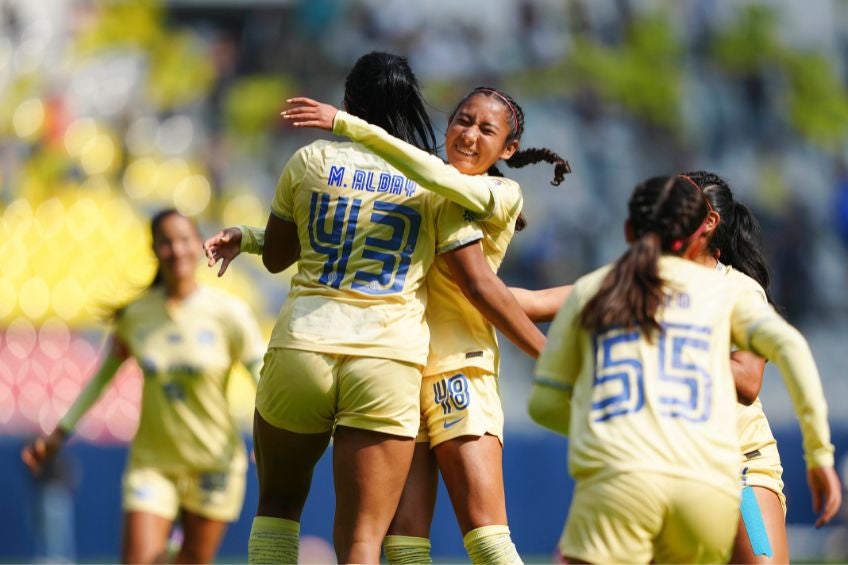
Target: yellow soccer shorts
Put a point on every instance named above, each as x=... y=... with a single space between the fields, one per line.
x=649 y=517
x=460 y=403
x=762 y=468
x=213 y=495
x=310 y=392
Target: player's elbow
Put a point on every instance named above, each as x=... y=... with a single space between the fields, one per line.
x=273 y=263
x=746 y=395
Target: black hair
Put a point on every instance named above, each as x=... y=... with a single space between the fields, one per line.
x=114 y=312
x=664 y=213
x=737 y=237
x=522 y=157
x=382 y=89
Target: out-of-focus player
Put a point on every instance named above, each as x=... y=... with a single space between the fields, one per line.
x=187 y=459
x=637 y=372
x=733 y=247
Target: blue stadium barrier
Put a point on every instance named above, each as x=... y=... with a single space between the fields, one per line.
x=538 y=495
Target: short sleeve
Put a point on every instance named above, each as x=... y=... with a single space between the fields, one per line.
x=292 y=175
x=507 y=202
x=455 y=227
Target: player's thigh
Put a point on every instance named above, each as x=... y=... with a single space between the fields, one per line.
x=461 y=403
x=369 y=469
x=284 y=464
x=700 y=523
x=379 y=395
x=297 y=390
x=613 y=520
x=472 y=468
x=417 y=504
x=752 y=544
x=201 y=537
x=145 y=537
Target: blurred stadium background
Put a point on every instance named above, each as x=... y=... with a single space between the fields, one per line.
x=110 y=110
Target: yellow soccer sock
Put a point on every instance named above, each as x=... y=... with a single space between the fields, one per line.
x=492 y=545
x=273 y=540
x=403 y=550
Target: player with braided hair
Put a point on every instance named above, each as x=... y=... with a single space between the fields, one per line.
x=637 y=371
x=734 y=248
x=462 y=417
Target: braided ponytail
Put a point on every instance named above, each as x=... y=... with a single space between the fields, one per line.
x=534 y=155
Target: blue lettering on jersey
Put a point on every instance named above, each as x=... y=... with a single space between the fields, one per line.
x=397 y=184
x=358 y=180
x=384 y=182
x=677 y=300
x=336 y=176
x=410 y=187
x=369 y=181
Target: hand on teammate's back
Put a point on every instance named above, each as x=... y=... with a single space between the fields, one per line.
x=826 y=491
x=309 y=113
x=38 y=453
x=224 y=246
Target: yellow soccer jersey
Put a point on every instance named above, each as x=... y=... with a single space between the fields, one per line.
x=666 y=406
x=460 y=336
x=186 y=354
x=368 y=235
x=751 y=423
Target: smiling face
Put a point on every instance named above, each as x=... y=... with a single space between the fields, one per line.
x=476 y=136
x=176 y=244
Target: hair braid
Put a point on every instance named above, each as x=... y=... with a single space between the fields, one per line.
x=534 y=155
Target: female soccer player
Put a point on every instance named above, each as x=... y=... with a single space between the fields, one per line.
x=733 y=247
x=637 y=372
x=187 y=457
x=346 y=354
x=462 y=417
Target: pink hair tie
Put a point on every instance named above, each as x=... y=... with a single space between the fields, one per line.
x=507 y=102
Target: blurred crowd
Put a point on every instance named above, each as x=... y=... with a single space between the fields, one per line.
x=112 y=110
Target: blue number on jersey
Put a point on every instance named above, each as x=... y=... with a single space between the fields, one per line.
x=452 y=393
x=391 y=256
x=688 y=384
x=618 y=386
x=685 y=386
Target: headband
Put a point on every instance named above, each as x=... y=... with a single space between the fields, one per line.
x=505 y=101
